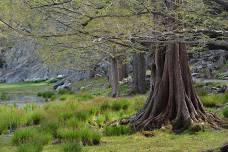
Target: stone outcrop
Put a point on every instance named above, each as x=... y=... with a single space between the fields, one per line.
x=22 y=63
x=207 y=64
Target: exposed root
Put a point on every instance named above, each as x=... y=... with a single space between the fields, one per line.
x=173 y=99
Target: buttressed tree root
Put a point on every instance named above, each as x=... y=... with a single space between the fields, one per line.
x=173 y=100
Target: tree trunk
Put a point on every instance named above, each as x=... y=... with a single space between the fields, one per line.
x=122 y=69
x=174 y=99
x=114 y=77
x=139 y=73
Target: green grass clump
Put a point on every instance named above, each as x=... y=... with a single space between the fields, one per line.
x=84 y=96
x=89 y=137
x=68 y=135
x=50 y=127
x=11 y=118
x=46 y=95
x=119 y=105
x=213 y=100
x=117 y=130
x=83 y=115
x=225 y=112
x=72 y=147
x=30 y=147
x=65 y=91
x=35 y=118
x=30 y=135
x=74 y=123
x=105 y=106
x=65 y=115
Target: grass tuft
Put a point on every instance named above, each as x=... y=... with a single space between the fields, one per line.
x=117 y=130
x=72 y=147
x=225 y=112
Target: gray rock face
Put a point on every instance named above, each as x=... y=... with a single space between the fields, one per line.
x=22 y=63
x=205 y=64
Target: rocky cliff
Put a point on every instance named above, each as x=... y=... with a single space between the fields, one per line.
x=21 y=62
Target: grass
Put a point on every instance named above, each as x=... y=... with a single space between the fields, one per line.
x=31 y=135
x=225 y=112
x=214 y=100
x=117 y=130
x=24 y=88
x=72 y=147
x=76 y=119
x=30 y=147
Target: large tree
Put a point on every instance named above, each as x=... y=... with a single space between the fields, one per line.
x=173 y=98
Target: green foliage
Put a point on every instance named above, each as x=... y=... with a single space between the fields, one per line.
x=117 y=130
x=50 y=127
x=4 y=96
x=72 y=147
x=65 y=91
x=30 y=135
x=105 y=106
x=121 y=104
x=46 y=95
x=213 y=100
x=30 y=147
x=68 y=135
x=89 y=137
x=74 y=123
x=35 y=118
x=11 y=118
x=82 y=115
x=65 y=115
x=225 y=112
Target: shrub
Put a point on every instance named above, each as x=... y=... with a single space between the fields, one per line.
x=68 y=135
x=117 y=130
x=30 y=135
x=30 y=147
x=72 y=147
x=225 y=112
x=89 y=137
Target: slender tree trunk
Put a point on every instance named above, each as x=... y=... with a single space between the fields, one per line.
x=173 y=100
x=114 y=77
x=139 y=73
x=122 y=69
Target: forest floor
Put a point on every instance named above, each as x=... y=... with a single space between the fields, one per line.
x=96 y=111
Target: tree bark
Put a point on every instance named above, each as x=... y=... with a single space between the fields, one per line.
x=122 y=69
x=139 y=73
x=173 y=100
x=114 y=77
